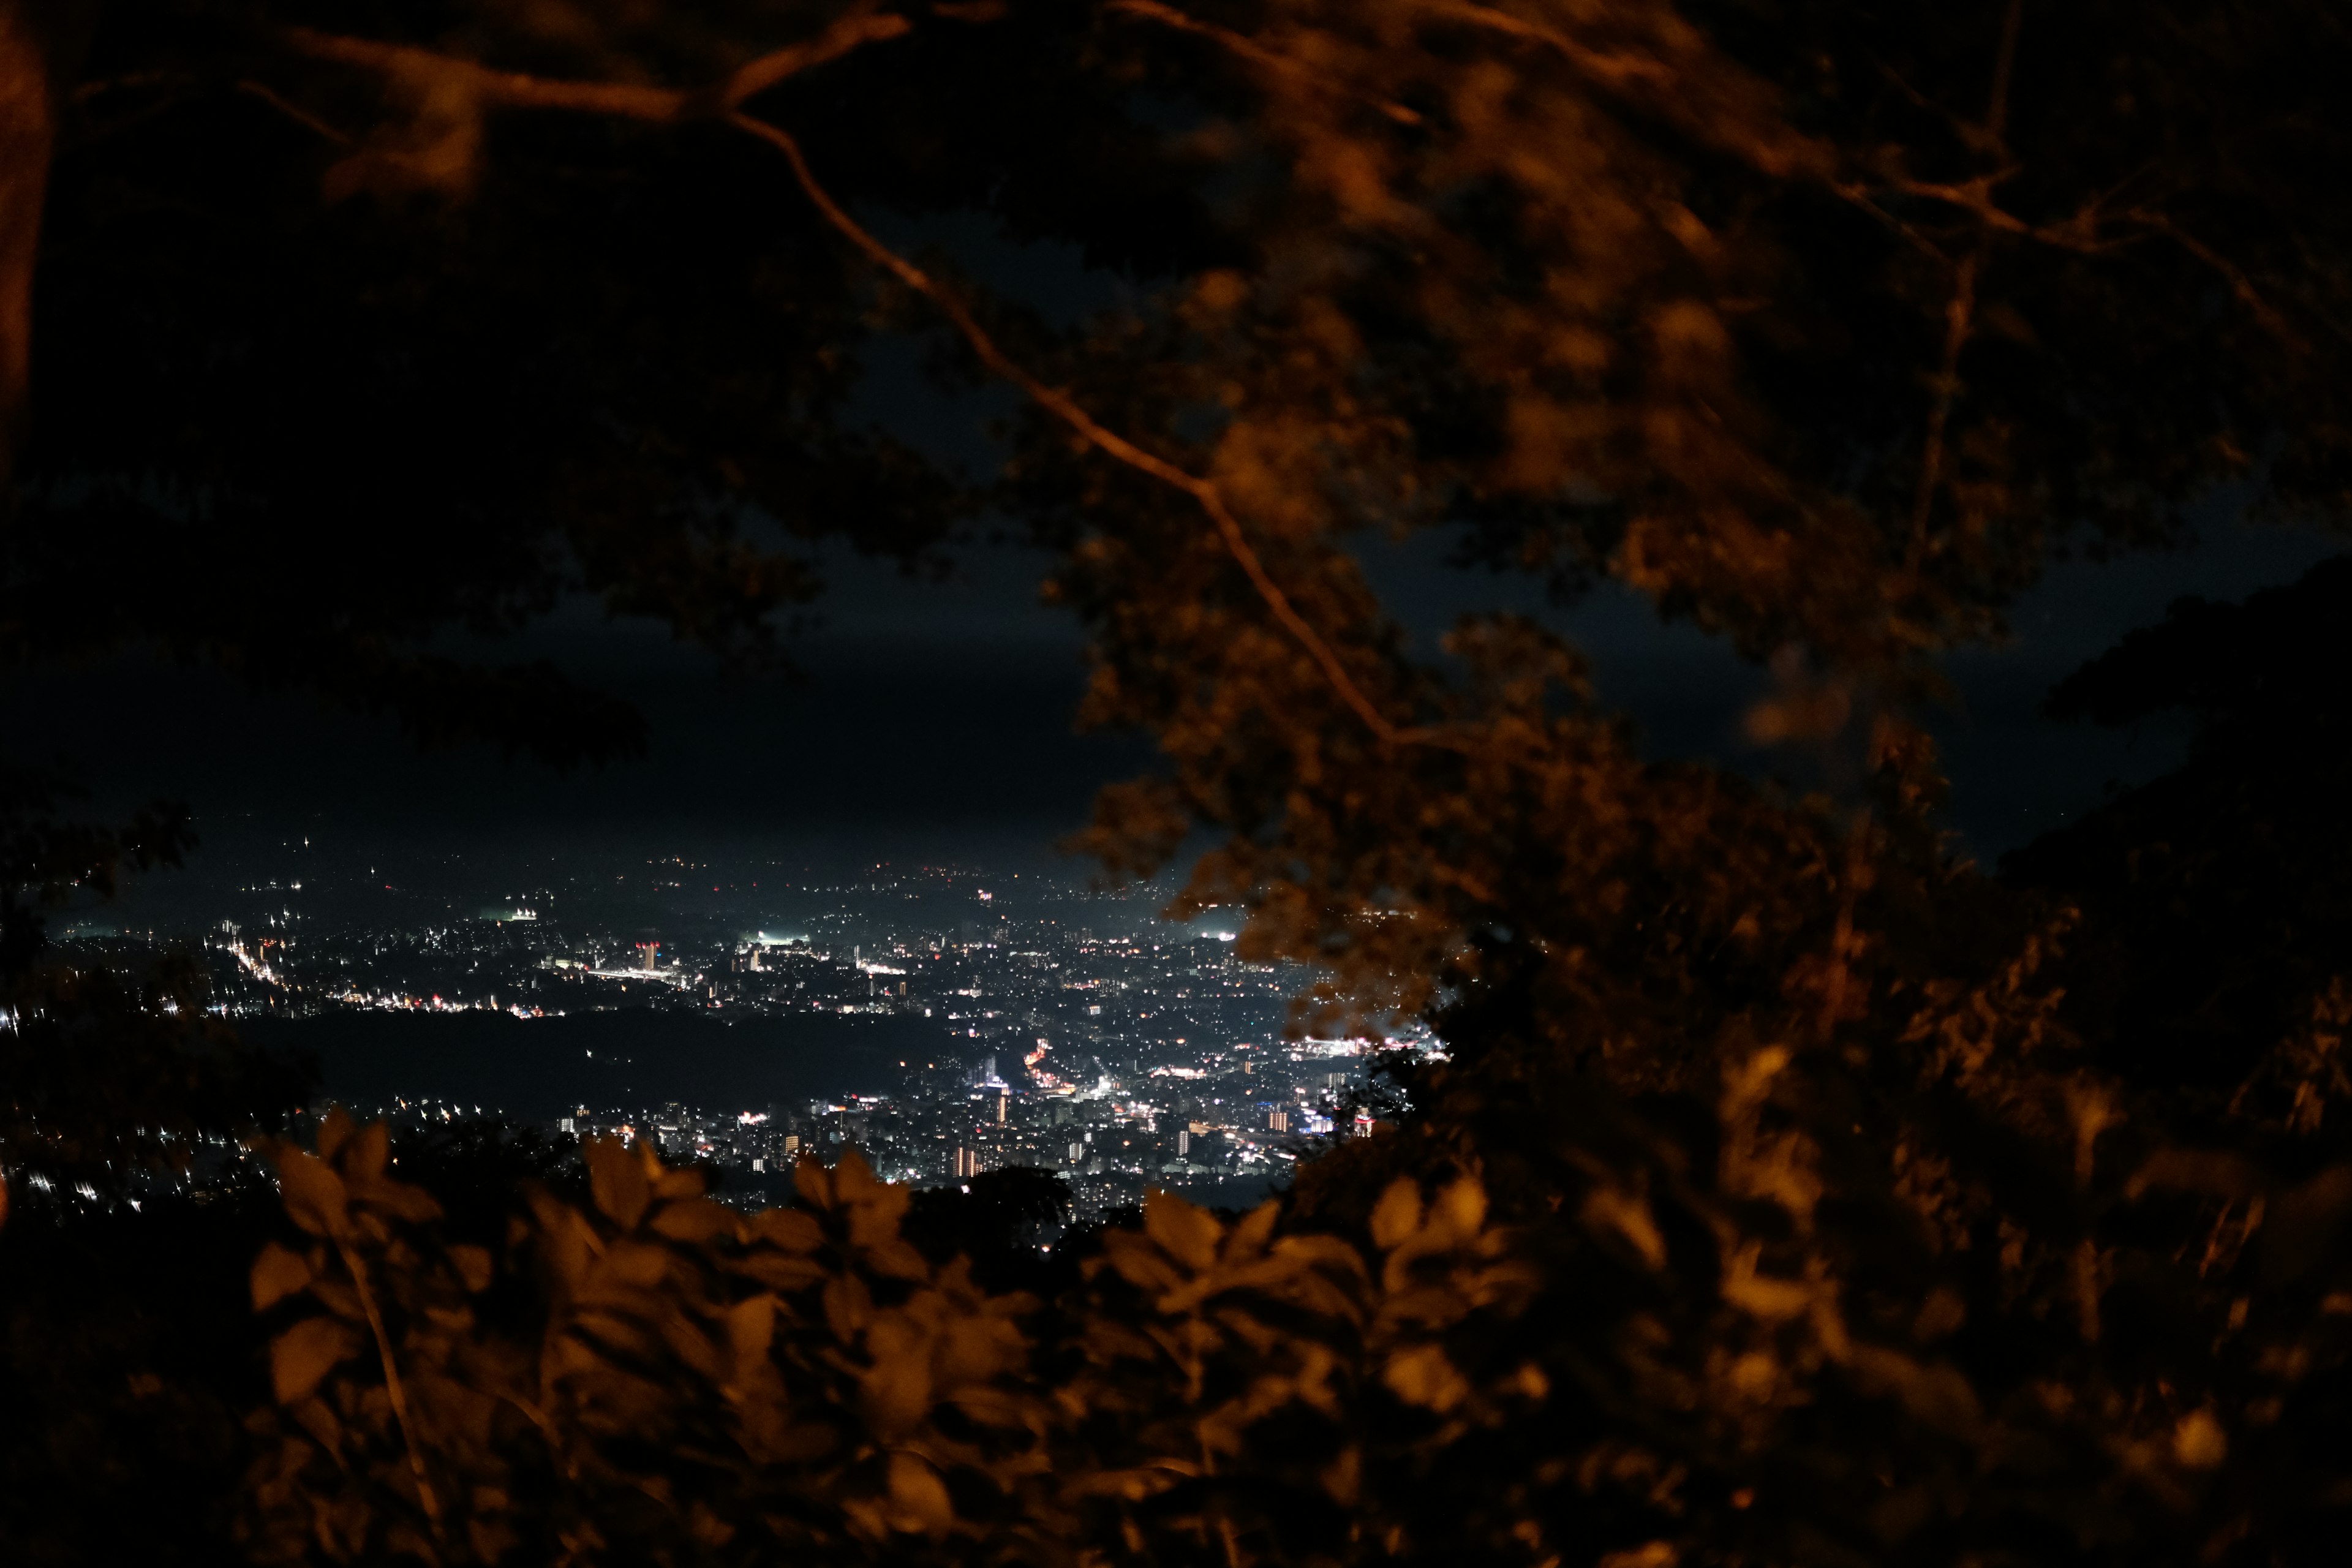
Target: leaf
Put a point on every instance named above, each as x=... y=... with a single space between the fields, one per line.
x=2219 y=1172
x=1655 y=1554
x=750 y=1326
x=473 y=1266
x=314 y=1417
x=2305 y=1225
x=898 y=1384
x=1187 y=1234
x=1343 y=1477
x=875 y=1209
x=1609 y=1208
x=919 y=1500
x=277 y=1273
x=2197 y=1441
x=2005 y=321
x=1248 y=1239
x=334 y=1131
x=682 y=1183
x=1461 y=1206
x=1423 y=1376
x=363 y=1158
x=848 y=1307
x=617 y=1182
x=314 y=1194
x=693 y=1220
x=791 y=1230
x=303 y=1356
x=1398 y=1215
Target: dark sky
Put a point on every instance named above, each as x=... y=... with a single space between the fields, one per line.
x=934 y=724
x=2014 y=773
x=931 y=719
x=934 y=721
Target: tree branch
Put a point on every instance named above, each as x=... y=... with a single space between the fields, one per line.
x=1996 y=125
x=28 y=127
x=1062 y=406
x=295 y=112
x=862 y=25
x=858 y=27
x=626 y=100
x=1959 y=311
x=2240 y=284
x=1256 y=53
x=395 y=1393
x=1779 y=152
x=1959 y=317
x=1614 y=69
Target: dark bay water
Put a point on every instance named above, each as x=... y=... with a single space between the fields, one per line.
x=537 y=1068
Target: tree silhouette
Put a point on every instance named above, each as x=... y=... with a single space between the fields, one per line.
x=1788 y=1189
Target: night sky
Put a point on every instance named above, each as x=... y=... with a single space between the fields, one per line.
x=933 y=723
x=933 y=720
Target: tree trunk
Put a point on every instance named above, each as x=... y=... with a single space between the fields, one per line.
x=27 y=133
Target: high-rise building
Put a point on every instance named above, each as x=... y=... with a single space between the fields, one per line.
x=1277 y=1121
x=1184 y=1142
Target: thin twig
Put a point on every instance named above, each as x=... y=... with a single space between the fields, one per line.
x=1971 y=135
x=1256 y=53
x=396 y=1393
x=294 y=112
x=2004 y=66
x=1959 y=310
x=1862 y=198
x=1655 y=85
x=1615 y=70
x=2240 y=284
x=626 y=100
x=130 y=82
x=860 y=26
x=1062 y=406
x=1842 y=943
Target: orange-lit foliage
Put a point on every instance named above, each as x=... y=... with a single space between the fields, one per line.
x=1739 y=1336
x=658 y=1376
x=1836 y=1206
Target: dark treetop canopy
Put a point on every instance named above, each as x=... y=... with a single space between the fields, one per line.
x=1809 y=1194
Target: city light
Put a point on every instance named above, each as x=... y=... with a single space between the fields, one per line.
x=1169 y=1068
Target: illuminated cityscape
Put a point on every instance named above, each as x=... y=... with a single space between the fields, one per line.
x=943 y=1022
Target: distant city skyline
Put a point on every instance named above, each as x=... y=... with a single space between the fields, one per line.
x=944 y=1021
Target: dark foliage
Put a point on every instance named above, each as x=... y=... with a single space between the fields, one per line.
x=1787 y=1191
x=1002 y=1220
x=2218 y=899
x=129 y=1358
